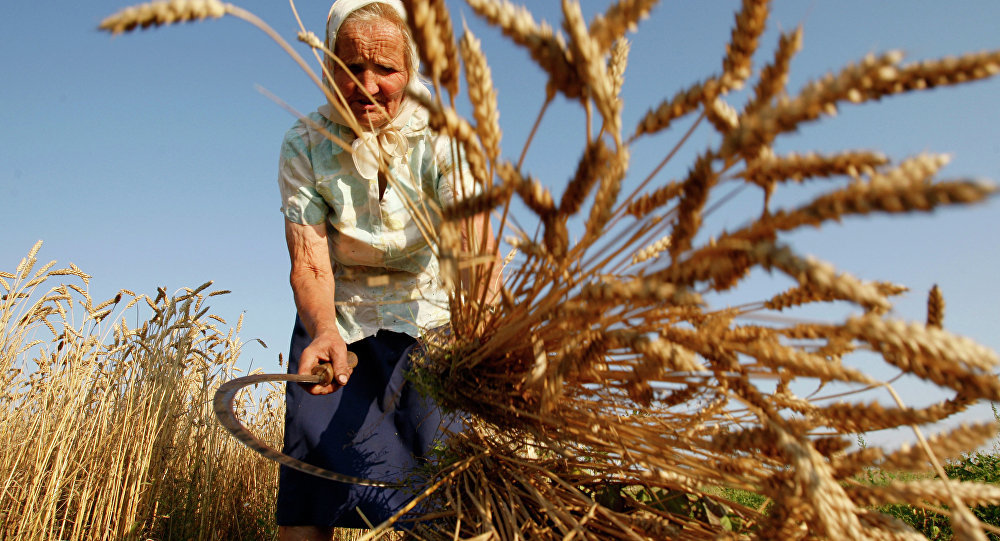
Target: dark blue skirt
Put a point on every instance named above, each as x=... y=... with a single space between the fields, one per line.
x=376 y=427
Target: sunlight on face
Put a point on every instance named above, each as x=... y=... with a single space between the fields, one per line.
x=375 y=53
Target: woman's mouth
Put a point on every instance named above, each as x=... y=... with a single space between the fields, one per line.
x=365 y=104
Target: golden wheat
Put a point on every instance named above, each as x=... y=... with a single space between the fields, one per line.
x=935 y=308
x=606 y=390
x=609 y=27
x=162 y=13
x=110 y=438
x=482 y=94
x=435 y=41
x=682 y=103
x=774 y=76
x=540 y=40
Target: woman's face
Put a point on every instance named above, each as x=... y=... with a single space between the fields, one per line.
x=375 y=52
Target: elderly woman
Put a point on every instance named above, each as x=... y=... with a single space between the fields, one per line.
x=363 y=276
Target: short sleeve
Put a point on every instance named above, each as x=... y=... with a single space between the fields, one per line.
x=300 y=202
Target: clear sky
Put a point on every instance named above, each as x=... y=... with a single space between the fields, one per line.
x=150 y=159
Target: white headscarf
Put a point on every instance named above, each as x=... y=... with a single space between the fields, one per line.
x=388 y=141
x=341 y=9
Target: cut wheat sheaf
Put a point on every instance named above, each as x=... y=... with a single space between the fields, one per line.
x=604 y=367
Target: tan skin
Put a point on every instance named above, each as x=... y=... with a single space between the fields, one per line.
x=374 y=52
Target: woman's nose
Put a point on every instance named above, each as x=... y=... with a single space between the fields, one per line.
x=369 y=81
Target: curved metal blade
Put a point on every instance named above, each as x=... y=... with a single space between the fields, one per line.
x=223 y=406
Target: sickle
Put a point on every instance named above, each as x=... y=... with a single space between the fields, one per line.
x=223 y=405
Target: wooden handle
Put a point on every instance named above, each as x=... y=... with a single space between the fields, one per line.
x=325 y=370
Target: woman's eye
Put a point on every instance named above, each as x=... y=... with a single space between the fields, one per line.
x=356 y=68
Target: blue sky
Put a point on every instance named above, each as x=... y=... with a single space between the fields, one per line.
x=150 y=159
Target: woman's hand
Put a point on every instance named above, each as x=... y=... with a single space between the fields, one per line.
x=327 y=347
x=485 y=285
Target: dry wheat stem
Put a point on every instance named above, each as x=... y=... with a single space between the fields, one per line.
x=605 y=360
x=654 y=201
x=591 y=68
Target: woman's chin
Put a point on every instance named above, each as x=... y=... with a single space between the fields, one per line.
x=370 y=118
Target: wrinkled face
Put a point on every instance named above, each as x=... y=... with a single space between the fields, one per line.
x=375 y=52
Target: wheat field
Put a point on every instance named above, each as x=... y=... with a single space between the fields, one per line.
x=612 y=395
x=107 y=429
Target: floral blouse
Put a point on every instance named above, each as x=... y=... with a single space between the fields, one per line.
x=386 y=274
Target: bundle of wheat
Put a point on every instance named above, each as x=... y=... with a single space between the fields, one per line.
x=605 y=399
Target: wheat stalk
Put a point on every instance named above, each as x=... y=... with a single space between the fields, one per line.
x=112 y=434
x=432 y=31
x=607 y=385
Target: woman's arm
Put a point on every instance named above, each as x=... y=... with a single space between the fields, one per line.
x=313 y=286
x=491 y=269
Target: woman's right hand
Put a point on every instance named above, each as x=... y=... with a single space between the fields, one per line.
x=313 y=285
x=326 y=347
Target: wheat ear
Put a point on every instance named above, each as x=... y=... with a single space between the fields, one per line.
x=621 y=17
x=535 y=195
x=694 y=193
x=935 y=308
x=949 y=444
x=545 y=48
x=617 y=64
x=593 y=166
x=682 y=103
x=774 y=76
x=798 y=167
x=816 y=98
x=750 y=22
x=591 y=68
x=482 y=94
x=163 y=13
x=432 y=31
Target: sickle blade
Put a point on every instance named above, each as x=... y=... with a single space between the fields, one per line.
x=223 y=405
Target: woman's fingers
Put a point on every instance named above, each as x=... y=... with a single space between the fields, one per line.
x=325 y=373
x=332 y=351
x=309 y=363
x=342 y=367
